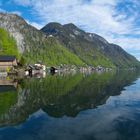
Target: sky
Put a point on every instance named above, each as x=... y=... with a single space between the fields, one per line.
x=118 y=21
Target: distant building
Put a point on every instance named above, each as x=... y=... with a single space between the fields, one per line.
x=7 y=61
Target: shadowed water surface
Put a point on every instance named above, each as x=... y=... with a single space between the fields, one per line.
x=103 y=106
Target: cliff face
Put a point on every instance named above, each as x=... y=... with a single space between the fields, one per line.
x=25 y=35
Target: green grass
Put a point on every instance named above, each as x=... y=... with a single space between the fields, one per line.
x=7 y=99
x=8 y=44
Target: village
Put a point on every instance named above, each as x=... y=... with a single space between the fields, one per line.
x=9 y=66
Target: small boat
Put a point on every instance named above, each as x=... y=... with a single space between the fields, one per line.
x=53 y=70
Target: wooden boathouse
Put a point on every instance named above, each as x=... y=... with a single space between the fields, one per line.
x=7 y=61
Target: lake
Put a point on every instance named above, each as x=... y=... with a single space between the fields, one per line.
x=97 y=106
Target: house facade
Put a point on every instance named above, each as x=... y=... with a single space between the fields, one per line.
x=8 y=61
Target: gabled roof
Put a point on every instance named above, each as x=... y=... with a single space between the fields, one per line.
x=6 y=58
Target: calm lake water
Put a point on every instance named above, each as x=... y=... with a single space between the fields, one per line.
x=71 y=107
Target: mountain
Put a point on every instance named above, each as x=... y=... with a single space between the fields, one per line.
x=57 y=44
x=31 y=44
x=91 y=48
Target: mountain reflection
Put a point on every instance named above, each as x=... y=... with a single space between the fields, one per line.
x=58 y=95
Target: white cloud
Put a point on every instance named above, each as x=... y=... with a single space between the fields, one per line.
x=128 y=43
x=131 y=45
x=13 y=12
x=34 y=24
x=99 y=16
x=16 y=12
x=2 y=10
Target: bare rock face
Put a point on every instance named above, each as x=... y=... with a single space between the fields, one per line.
x=9 y=23
x=24 y=34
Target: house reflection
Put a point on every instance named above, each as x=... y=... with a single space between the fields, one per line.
x=7 y=82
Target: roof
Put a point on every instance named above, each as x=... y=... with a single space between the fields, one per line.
x=4 y=58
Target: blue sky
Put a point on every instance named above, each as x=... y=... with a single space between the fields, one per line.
x=116 y=20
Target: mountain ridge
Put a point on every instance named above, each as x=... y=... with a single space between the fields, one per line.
x=63 y=44
x=33 y=45
x=75 y=39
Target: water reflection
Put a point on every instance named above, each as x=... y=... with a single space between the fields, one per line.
x=59 y=96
